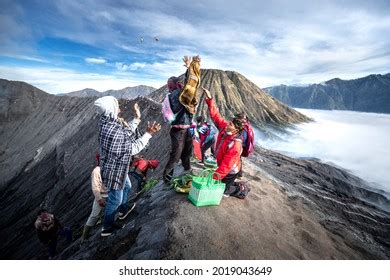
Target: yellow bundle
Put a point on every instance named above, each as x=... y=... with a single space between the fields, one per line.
x=188 y=95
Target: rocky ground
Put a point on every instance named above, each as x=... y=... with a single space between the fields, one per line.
x=297 y=209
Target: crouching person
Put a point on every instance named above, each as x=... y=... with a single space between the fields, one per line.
x=228 y=147
x=139 y=169
x=48 y=228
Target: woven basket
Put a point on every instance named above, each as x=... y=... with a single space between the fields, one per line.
x=206 y=191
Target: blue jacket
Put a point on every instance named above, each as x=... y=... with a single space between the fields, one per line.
x=183 y=117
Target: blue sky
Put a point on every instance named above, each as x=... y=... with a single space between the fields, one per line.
x=66 y=45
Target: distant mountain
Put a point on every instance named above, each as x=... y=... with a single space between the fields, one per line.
x=125 y=93
x=234 y=93
x=368 y=94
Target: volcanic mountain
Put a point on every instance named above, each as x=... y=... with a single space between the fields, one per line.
x=234 y=93
x=297 y=209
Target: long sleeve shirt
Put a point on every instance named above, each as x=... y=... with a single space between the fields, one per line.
x=228 y=147
x=117 y=145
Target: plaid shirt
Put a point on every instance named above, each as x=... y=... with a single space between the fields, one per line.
x=117 y=145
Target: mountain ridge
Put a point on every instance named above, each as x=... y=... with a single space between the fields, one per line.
x=125 y=93
x=366 y=94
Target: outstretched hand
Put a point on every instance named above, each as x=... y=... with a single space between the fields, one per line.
x=187 y=61
x=153 y=128
x=207 y=93
x=137 y=112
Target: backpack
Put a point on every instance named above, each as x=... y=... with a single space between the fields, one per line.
x=167 y=112
x=248 y=140
x=242 y=189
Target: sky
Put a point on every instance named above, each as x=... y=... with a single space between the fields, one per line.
x=67 y=45
x=355 y=141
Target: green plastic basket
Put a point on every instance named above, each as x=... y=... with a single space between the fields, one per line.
x=205 y=191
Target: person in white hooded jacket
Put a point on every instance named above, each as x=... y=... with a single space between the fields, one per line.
x=117 y=144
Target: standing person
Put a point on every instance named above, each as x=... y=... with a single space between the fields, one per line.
x=117 y=145
x=206 y=136
x=228 y=148
x=48 y=228
x=181 y=140
x=100 y=193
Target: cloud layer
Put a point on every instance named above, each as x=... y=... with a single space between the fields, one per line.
x=353 y=140
x=270 y=43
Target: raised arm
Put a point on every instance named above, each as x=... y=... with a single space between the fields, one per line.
x=220 y=122
x=139 y=144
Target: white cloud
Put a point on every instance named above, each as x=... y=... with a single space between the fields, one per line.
x=26 y=57
x=129 y=67
x=270 y=43
x=348 y=139
x=59 y=80
x=95 y=60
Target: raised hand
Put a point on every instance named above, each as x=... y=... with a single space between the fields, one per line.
x=207 y=93
x=187 y=61
x=137 y=112
x=153 y=127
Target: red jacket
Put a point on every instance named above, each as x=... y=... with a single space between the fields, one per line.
x=228 y=148
x=142 y=165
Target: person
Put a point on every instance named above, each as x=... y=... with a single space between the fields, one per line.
x=228 y=148
x=181 y=140
x=139 y=169
x=117 y=145
x=244 y=136
x=206 y=136
x=48 y=229
x=100 y=193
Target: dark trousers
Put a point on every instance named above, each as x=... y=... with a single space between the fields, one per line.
x=206 y=146
x=181 y=148
x=140 y=179
x=229 y=183
x=52 y=245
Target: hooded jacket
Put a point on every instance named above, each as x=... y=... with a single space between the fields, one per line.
x=228 y=148
x=117 y=143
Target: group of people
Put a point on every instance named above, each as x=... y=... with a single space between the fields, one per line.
x=119 y=148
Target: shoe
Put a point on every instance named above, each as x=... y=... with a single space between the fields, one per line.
x=226 y=195
x=167 y=178
x=107 y=232
x=122 y=216
x=118 y=225
x=188 y=172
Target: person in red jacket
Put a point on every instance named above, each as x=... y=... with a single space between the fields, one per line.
x=139 y=169
x=228 y=148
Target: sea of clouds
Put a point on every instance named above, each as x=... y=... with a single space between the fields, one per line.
x=358 y=142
